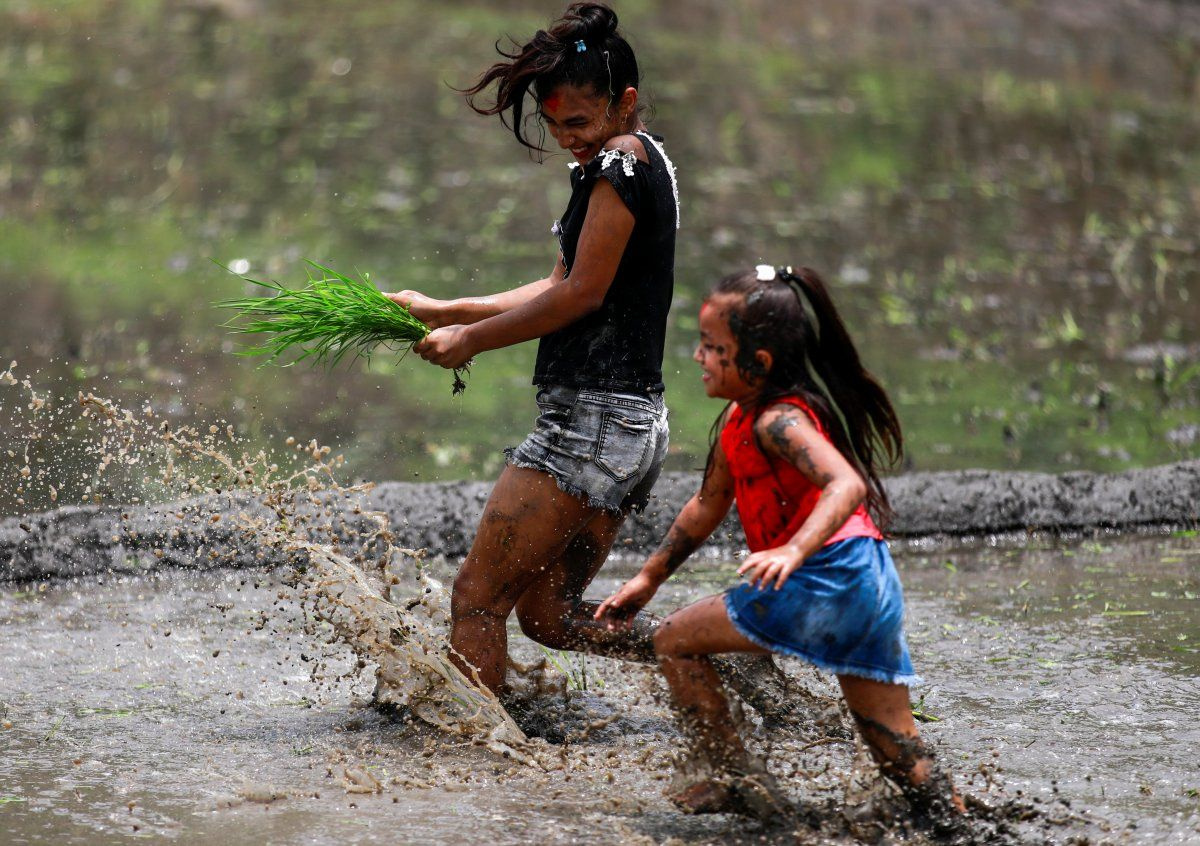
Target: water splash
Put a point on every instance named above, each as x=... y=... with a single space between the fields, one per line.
x=408 y=643
x=209 y=497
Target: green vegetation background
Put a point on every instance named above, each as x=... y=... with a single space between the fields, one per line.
x=1005 y=198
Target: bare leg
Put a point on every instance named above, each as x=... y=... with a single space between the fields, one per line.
x=884 y=717
x=683 y=643
x=552 y=610
x=526 y=526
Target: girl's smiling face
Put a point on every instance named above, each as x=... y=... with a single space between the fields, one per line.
x=716 y=351
x=582 y=121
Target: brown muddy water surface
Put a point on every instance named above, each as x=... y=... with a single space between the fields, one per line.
x=181 y=706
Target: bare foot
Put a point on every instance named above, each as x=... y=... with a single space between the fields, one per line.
x=754 y=794
x=707 y=796
x=759 y=795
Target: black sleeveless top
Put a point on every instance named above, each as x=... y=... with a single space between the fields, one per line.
x=619 y=347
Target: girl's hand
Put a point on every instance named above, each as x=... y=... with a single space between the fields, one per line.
x=771 y=565
x=433 y=313
x=619 y=609
x=448 y=347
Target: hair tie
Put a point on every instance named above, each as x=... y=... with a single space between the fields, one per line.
x=580 y=47
x=788 y=277
x=767 y=273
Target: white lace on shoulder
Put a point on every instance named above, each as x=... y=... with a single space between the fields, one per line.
x=628 y=160
x=648 y=138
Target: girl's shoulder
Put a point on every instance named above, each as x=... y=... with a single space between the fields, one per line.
x=781 y=409
x=619 y=155
x=627 y=144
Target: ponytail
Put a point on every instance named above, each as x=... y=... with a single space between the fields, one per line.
x=582 y=48
x=870 y=422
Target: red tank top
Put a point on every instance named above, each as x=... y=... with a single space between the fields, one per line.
x=773 y=497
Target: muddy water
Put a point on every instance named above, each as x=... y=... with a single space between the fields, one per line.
x=1078 y=663
x=183 y=706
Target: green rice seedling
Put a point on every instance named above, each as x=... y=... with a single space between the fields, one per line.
x=334 y=315
x=330 y=317
x=921 y=715
x=578 y=677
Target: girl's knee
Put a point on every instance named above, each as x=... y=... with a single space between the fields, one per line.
x=544 y=627
x=474 y=595
x=667 y=639
x=466 y=590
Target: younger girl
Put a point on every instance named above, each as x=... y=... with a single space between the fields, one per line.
x=799 y=448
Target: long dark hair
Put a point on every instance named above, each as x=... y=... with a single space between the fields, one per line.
x=552 y=58
x=812 y=357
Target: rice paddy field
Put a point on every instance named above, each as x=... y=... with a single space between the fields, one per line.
x=183 y=708
x=1004 y=196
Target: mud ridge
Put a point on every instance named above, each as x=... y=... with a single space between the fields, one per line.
x=441 y=518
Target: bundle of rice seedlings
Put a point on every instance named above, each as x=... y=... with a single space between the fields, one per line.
x=330 y=317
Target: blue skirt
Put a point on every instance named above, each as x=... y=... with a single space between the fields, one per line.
x=842 y=610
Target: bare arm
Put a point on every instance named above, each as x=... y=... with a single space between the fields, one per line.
x=696 y=521
x=606 y=231
x=788 y=433
x=466 y=310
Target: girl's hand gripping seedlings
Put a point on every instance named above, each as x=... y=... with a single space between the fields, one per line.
x=433 y=313
x=448 y=347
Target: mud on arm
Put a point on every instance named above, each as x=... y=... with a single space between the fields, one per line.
x=786 y=432
x=696 y=521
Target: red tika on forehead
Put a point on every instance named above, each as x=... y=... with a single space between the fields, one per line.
x=552 y=102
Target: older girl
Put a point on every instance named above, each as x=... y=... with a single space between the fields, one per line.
x=599 y=442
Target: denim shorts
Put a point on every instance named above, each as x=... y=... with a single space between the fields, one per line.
x=604 y=447
x=841 y=610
